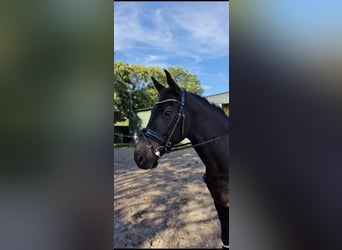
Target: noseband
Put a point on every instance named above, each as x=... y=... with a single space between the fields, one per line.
x=165 y=141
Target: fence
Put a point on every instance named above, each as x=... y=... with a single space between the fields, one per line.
x=121 y=138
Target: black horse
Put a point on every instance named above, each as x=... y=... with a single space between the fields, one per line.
x=177 y=115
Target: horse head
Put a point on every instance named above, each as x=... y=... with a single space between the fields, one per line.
x=166 y=126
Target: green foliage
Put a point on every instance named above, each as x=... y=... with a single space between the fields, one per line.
x=133 y=88
x=124 y=145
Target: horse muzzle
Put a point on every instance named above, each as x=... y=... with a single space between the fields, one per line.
x=144 y=163
x=144 y=158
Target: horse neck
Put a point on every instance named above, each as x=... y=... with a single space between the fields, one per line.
x=206 y=122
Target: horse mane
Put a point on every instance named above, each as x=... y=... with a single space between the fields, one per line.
x=213 y=106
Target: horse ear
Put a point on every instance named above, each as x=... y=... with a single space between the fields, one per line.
x=158 y=86
x=171 y=82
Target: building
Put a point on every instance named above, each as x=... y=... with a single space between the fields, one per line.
x=221 y=100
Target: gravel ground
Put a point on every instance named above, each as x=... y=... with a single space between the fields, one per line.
x=166 y=207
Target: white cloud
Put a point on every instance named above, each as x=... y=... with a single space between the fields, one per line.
x=156 y=61
x=206 y=27
x=206 y=87
x=131 y=33
x=191 y=30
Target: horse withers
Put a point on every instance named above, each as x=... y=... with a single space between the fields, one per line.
x=179 y=114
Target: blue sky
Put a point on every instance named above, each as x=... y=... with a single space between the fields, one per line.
x=193 y=35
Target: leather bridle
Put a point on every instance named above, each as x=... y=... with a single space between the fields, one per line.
x=165 y=141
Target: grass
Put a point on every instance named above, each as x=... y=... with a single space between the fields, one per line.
x=122 y=145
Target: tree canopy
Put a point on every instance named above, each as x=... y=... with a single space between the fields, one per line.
x=133 y=88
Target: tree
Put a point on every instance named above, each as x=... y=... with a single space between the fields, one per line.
x=133 y=88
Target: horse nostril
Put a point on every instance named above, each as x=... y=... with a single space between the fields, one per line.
x=140 y=160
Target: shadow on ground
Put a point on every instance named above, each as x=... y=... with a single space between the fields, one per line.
x=166 y=207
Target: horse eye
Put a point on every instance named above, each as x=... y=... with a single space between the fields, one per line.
x=167 y=113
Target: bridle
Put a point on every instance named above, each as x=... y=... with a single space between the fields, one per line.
x=165 y=142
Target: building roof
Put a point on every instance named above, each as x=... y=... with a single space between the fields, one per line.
x=221 y=98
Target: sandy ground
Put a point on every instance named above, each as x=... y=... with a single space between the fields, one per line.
x=166 y=207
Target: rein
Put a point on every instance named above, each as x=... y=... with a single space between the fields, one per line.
x=166 y=143
x=190 y=145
